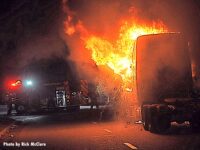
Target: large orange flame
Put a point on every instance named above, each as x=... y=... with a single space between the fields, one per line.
x=120 y=56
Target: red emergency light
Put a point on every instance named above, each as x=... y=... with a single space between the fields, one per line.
x=14 y=85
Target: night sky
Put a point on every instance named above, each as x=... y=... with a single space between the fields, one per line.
x=22 y=22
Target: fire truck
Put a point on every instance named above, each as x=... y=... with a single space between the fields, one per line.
x=165 y=87
x=28 y=97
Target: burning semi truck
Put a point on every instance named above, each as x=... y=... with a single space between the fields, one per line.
x=164 y=82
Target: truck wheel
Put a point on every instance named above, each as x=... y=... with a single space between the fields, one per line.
x=195 y=122
x=163 y=123
x=145 y=118
x=20 y=109
x=153 y=120
x=159 y=122
x=195 y=126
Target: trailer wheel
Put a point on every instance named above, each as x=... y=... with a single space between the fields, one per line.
x=195 y=122
x=159 y=122
x=153 y=120
x=145 y=118
x=195 y=126
x=163 y=123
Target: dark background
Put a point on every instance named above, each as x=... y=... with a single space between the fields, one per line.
x=30 y=43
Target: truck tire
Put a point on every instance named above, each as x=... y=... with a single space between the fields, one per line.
x=159 y=122
x=195 y=126
x=163 y=123
x=145 y=118
x=195 y=122
x=153 y=120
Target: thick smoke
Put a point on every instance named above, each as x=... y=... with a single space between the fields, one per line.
x=41 y=47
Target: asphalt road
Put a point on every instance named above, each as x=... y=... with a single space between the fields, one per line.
x=87 y=131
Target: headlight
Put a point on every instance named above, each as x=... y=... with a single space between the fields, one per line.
x=29 y=83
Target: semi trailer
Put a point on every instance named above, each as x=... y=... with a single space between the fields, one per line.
x=165 y=87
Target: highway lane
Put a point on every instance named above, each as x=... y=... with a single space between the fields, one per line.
x=84 y=131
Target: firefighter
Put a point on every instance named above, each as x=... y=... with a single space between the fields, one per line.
x=9 y=104
x=11 y=96
x=10 y=100
x=93 y=97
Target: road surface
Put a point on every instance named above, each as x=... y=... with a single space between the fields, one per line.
x=86 y=131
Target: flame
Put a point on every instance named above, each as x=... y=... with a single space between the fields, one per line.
x=115 y=53
x=119 y=55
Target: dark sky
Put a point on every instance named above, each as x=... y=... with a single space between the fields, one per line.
x=30 y=42
x=27 y=28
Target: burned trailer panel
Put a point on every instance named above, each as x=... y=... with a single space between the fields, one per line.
x=163 y=68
